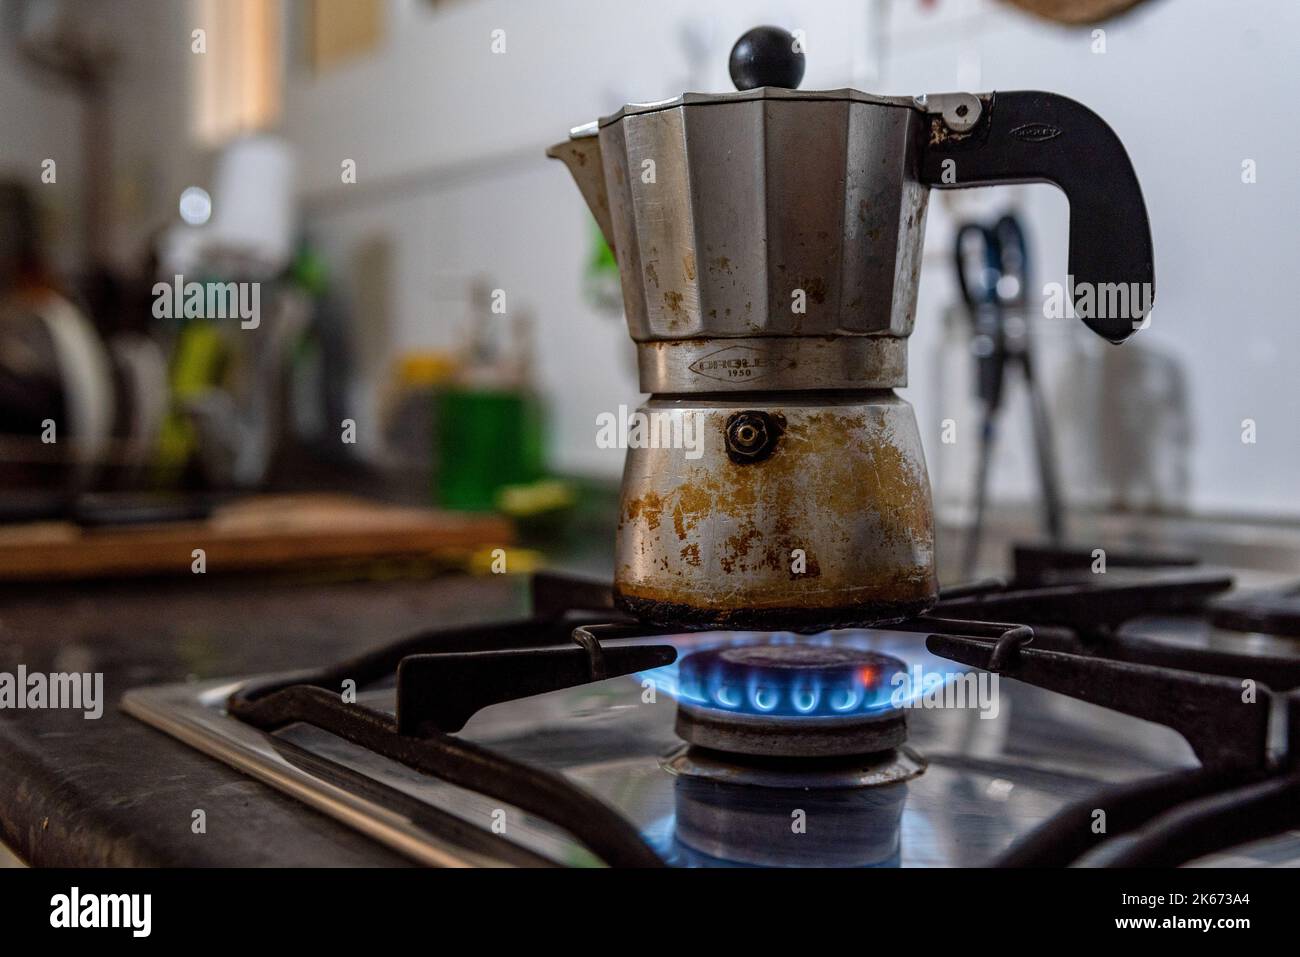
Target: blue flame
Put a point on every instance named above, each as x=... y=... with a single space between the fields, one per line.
x=803 y=697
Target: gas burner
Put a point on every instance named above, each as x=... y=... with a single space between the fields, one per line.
x=821 y=774
x=856 y=821
x=779 y=729
x=786 y=727
x=790 y=700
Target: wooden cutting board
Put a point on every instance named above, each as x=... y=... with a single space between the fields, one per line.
x=263 y=532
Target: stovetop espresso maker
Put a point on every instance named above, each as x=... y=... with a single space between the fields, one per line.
x=769 y=249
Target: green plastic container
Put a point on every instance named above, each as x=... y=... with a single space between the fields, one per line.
x=486 y=439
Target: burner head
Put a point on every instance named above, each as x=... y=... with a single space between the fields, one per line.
x=790 y=700
x=855 y=826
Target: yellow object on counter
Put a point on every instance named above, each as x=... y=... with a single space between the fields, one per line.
x=534 y=498
x=197 y=366
x=505 y=561
x=417 y=370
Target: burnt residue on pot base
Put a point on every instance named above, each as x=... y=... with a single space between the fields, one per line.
x=677 y=616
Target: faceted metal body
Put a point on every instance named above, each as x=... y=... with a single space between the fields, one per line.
x=833 y=528
x=769 y=244
x=767 y=217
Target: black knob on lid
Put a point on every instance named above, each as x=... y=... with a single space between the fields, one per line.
x=766 y=56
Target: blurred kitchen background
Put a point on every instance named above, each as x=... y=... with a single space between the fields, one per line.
x=440 y=324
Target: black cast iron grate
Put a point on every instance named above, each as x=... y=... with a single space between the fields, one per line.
x=1067 y=640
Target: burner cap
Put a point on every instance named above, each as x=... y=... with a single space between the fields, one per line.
x=790 y=700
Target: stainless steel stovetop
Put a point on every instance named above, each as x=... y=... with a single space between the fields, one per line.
x=988 y=779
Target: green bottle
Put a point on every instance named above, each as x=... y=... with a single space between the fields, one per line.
x=487 y=439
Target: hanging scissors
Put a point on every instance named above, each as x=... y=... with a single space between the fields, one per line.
x=992 y=266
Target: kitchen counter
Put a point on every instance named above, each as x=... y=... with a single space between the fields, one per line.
x=112 y=791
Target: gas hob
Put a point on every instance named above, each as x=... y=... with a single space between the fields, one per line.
x=1057 y=718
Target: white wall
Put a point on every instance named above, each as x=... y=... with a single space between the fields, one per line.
x=41 y=120
x=1192 y=87
x=448 y=138
x=155 y=156
x=1189 y=87
x=471 y=127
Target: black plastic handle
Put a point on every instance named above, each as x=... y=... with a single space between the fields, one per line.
x=1029 y=137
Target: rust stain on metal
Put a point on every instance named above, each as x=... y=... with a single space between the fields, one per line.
x=677 y=318
x=649 y=507
x=802 y=497
x=940 y=133
x=830 y=469
x=815 y=287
